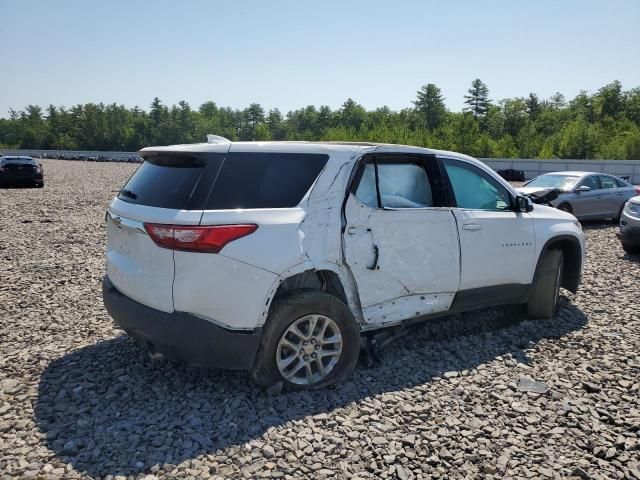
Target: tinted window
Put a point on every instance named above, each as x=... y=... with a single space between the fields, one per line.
x=607 y=181
x=591 y=182
x=164 y=181
x=264 y=180
x=474 y=188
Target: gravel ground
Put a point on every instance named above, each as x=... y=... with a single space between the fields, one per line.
x=454 y=400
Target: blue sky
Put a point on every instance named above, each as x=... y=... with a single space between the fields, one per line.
x=289 y=54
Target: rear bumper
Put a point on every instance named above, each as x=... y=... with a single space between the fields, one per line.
x=15 y=178
x=181 y=336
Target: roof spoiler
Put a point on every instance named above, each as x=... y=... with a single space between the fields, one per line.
x=217 y=139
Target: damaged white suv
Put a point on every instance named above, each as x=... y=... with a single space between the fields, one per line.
x=276 y=257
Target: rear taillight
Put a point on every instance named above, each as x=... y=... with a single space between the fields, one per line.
x=206 y=239
x=637 y=187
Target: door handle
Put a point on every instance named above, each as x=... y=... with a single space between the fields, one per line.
x=351 y=230
x=376 y=252
x=472 y=226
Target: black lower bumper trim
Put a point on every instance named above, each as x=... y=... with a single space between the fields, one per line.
x=181 y=336
x=630 y=236
x=20 y=179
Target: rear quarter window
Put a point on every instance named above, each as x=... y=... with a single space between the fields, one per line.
x=264 y=180
x=164 y=181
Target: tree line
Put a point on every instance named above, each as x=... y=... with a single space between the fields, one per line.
x=604 y=124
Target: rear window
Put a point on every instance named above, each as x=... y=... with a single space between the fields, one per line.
x=264 y=180
x=17 y=161
x=164 y=181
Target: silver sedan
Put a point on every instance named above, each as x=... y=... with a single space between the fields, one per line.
x=587 y=195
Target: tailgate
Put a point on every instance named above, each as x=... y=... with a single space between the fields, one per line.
x=168 y=189
x=136 y=266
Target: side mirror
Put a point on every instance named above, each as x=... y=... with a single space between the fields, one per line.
x=523 y=204
x=583 y=188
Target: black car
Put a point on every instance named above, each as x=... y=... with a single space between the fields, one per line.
x=511 y=175
x=19 y=170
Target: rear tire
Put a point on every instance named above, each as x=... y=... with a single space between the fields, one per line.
x=545 y=293
x=275 y=351
x=565 y=207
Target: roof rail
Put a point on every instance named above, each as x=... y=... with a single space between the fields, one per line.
x=217 y=139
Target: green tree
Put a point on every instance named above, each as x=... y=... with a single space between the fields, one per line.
x=430 y=105
x=477 y=100
x=601 y=125
x=275 y=123
x=610 y=100
x=352 y=114
x=533 y=106
x=515 y=115
x=556 y=101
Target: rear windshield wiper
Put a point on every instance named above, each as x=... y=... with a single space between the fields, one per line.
x=128 y=193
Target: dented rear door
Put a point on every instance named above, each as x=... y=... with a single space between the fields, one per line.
x=405 y=259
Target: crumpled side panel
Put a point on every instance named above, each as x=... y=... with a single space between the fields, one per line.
x=319 y=231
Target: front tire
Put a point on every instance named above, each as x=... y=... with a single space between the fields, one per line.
x=310 y=340
x=545 y=293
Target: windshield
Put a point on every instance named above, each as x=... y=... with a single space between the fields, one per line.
x=561 y=182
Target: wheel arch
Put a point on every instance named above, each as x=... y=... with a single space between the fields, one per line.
x=571 y=250
x=567 y=203
x=306 y=277
x=312 y=279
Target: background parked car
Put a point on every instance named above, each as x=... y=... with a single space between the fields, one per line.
x=587 y=195
x=629 y=234
x=16 y=170
x=511 y=175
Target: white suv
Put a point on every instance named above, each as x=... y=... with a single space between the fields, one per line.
x=276 y=256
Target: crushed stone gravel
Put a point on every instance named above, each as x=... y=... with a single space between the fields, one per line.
x=483 y=395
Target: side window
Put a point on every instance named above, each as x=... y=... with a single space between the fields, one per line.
x=474 y=188
x=621 y=183
x=591 y=182
x=607 y=182
x=366 y=191
x=264 y=180
x=402 y=185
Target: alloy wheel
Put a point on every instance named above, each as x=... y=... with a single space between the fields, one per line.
x=309 y=349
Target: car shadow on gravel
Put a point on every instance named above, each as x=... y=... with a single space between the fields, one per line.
x=108 y=410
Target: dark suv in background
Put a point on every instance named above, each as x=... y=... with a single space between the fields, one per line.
x=19 y=170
